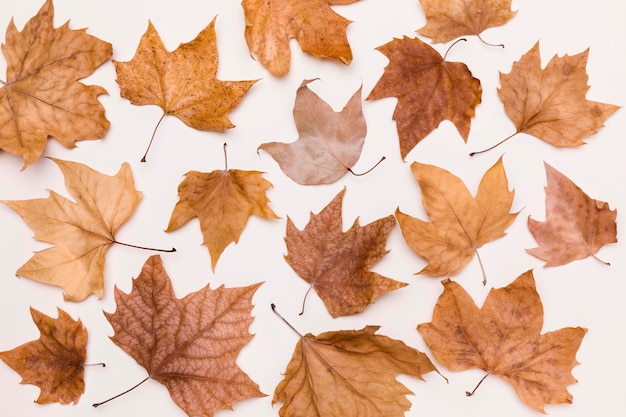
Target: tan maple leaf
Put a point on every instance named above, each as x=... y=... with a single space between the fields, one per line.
x=183 y=82
x=81 y=231
x=271 y=24
x=429 y=90
x=336 y=264
x=329 y=142
x=459 y=223
x=190 y=345
x=576 y=225
x=54 y=362
x=449 y=19
x=503 y=338
x=42 y=96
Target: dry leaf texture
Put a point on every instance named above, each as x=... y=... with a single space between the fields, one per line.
x=503 y=338
x=54 y=362
x=349 y=373
x=41 y=96
x=189 y=345
x=576 y=225
x=329 y=142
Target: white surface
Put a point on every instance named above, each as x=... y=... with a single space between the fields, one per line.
x=584 y=293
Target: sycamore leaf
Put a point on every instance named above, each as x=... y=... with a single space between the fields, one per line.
x=576 y=225
x=460 y=223
x=81 y=231
x=329 y=144
x=336 y=264
x=190 y=345
x=42 y=96
x=271 y=24
x=503 y=338
x=449 y=19
x=54 y=362
x=349 y=373
x=183 y=82
x=429 y=90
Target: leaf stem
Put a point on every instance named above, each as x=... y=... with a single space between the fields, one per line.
x=225 y=158
x=501 y=45
x=304 y=300
x=600 y=260
x=143 y=159
x=450 y=47
x=482 y=267
x=284 y=320
x=95 y=405
x=144 y=247
x=102 y=364
x=468 y=393
x=497 y=144
x=369 y=170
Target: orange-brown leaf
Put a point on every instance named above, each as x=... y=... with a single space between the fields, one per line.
x=503 y=338
x=576 y=225
x=54 y=362
x=349 y=373
x=42 y=96
x=271 y=24
x=429 y=91
x=336 y=264
x=190 y=345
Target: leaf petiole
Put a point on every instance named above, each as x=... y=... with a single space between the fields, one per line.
x=143 y=159
x=468 y=393
x=285 y=320
x=96 y=405
x=369 y=170
x=144 y=247
x=497 y=144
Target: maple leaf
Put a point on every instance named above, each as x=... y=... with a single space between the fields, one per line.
x=329 y=144
x=183 y=82
x=271 y=24
x=82 y=231
x=576 y=225
x=41 y=96
x=54 y=362
x=189 y=345
x=460 y=223
x=503 y=338
x=429 y=90
x=336 y=264
x=447 y=20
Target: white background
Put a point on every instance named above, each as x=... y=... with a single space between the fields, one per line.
x=584 y=293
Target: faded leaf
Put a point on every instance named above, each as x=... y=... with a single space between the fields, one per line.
x=81 y=231
x=190 y=345
x=503 y=338
x=271 y=24
x=336 y=264
x=42 y=96
x=54 y=362
x=576 y=225
x=429 y=90
x=349 y=373
x=329 y=144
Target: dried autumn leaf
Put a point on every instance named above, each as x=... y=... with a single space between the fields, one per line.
x=183 y=82
x=503 y=338
x=429 y=90
x=349 y=373
x=190 y=345
x=576 y=225
x=329 y=143
x=460 y=223
x=449 y=19
x=55 y=361
x=336 y=264
x=42 y=96
x=81 y=231
x=271 y=24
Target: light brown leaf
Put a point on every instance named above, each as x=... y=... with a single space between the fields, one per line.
x=503 y=338
x=42 y=96
x=55 y=361
x=576 y=225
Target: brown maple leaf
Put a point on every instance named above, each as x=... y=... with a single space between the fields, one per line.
x=460 y=223
x=429 y=90
x=190 y=345
x=54 y=362
x=183 y=82
x=271 y=24
x=81 y=231
x=42 y=96
x=449 y=19
x=576 y=225
x=329 y=143
x=503 y=338
x=336 y=264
